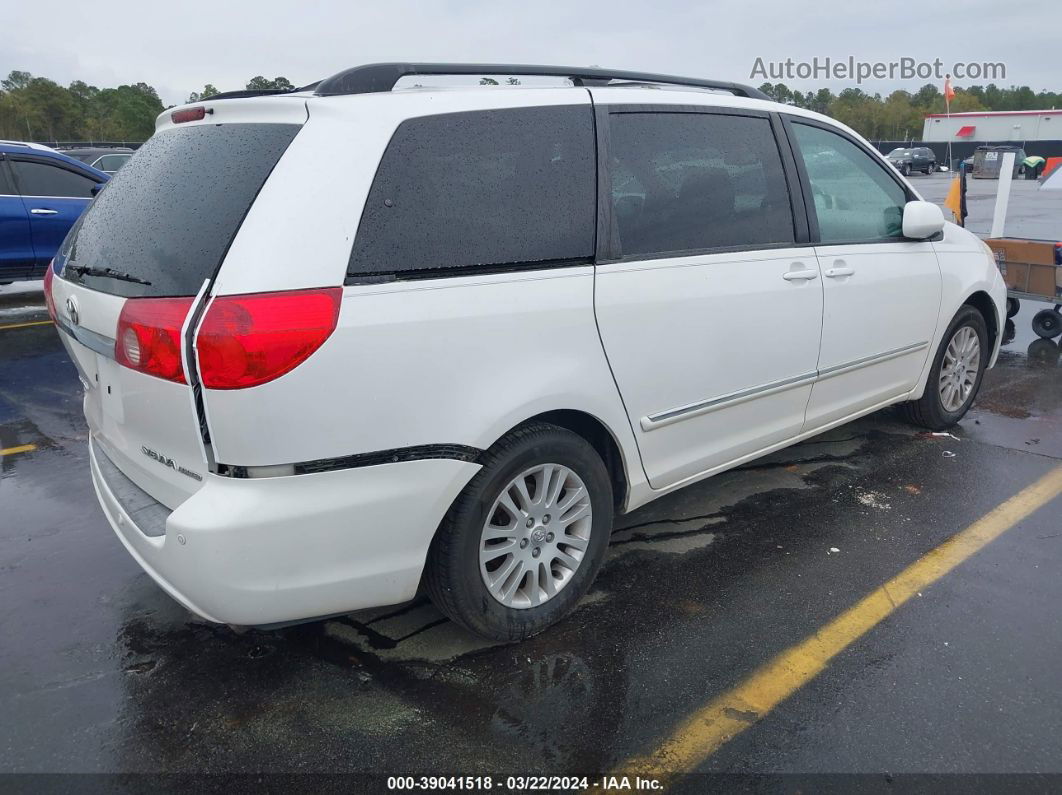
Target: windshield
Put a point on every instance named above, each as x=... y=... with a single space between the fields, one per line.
x=164 y=222
x=900 y=153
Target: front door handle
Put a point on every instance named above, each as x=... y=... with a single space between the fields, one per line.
x=43 y=211
x=842 y=270
x=805 y=275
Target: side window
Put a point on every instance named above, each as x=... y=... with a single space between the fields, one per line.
x=855 y=199
x=490 y=187
x=42 y=179
x=110 y=163
x=694 y=181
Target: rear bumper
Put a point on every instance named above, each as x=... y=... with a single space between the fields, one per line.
x=272 y=550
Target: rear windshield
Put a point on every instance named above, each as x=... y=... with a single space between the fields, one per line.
x=167 y=217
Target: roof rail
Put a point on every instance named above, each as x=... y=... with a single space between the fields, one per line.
x=379 y=77
x=28 y=144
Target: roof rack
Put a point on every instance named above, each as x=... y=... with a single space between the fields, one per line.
x=380 y=77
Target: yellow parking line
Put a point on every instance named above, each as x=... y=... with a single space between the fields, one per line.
x=25 y=448
x=729 y=714
x=26 y=325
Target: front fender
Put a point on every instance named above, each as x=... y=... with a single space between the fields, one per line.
x=968 y=270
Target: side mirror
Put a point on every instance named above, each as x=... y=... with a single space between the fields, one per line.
x=922 y=220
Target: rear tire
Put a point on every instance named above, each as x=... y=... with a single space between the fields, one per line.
x=1047 y=323
x=952 y=380
x=481 y=539
x=931 y=169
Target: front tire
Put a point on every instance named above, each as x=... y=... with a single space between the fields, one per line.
x=525 y=539
x=956 y=374
x=1013 y=306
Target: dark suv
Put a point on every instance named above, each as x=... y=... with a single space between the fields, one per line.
x=920 y=158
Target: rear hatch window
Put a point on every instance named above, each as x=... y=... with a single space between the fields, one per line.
x=164 y=222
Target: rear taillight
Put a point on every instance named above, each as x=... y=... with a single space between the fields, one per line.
x=49 y=276
x=149 y=336
x=247 y=340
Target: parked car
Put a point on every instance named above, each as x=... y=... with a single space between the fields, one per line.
x=521 y=311
x=42 y=193
x=919 y=158
x=107 y=159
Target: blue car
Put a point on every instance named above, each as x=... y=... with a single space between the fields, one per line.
x=42 y=194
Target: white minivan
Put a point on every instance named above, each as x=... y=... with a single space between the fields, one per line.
x=345 y=341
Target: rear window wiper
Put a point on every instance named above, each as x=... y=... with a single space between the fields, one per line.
x=106 y=273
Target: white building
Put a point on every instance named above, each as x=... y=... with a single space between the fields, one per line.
x=1004 y=125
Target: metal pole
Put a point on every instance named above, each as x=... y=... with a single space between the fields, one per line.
x=947 y=112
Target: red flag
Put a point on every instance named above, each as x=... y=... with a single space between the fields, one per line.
x=949 y=92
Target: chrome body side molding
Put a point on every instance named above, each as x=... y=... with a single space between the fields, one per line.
x=660 y=419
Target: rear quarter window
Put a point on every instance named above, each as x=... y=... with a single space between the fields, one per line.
x=168 y=216
x=483 y=188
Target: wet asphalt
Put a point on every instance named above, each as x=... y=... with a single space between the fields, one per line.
x=100 y=671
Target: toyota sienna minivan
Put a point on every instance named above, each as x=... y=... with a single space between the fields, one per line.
x=448 y=351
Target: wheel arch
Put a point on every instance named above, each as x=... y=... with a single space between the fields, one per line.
x=979 y=299
x=983 y=303
x=599 y=436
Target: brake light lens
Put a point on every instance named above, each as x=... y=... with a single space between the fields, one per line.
x=49 y=300
x=189 y=114
x=247 y=340
x=149 y=336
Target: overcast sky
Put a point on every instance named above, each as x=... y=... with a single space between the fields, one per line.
x=178 y=47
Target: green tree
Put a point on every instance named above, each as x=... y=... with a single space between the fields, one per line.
x=259 y=83
x=208 y=91
x=127 y=113
x=35 y=108
x=16 y=81
x=49 y=108
x=820 y=103
x=927 y=96
x=898 y=119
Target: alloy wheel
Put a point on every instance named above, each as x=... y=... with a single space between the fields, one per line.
x=535 y=536
x=959 y=369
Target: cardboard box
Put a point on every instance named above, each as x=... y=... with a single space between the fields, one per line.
x=1028 y=265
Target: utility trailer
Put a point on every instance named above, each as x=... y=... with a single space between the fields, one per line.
x=1032 y=269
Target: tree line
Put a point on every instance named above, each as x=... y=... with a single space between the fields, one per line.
x=39 y=109
x=899 y=116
